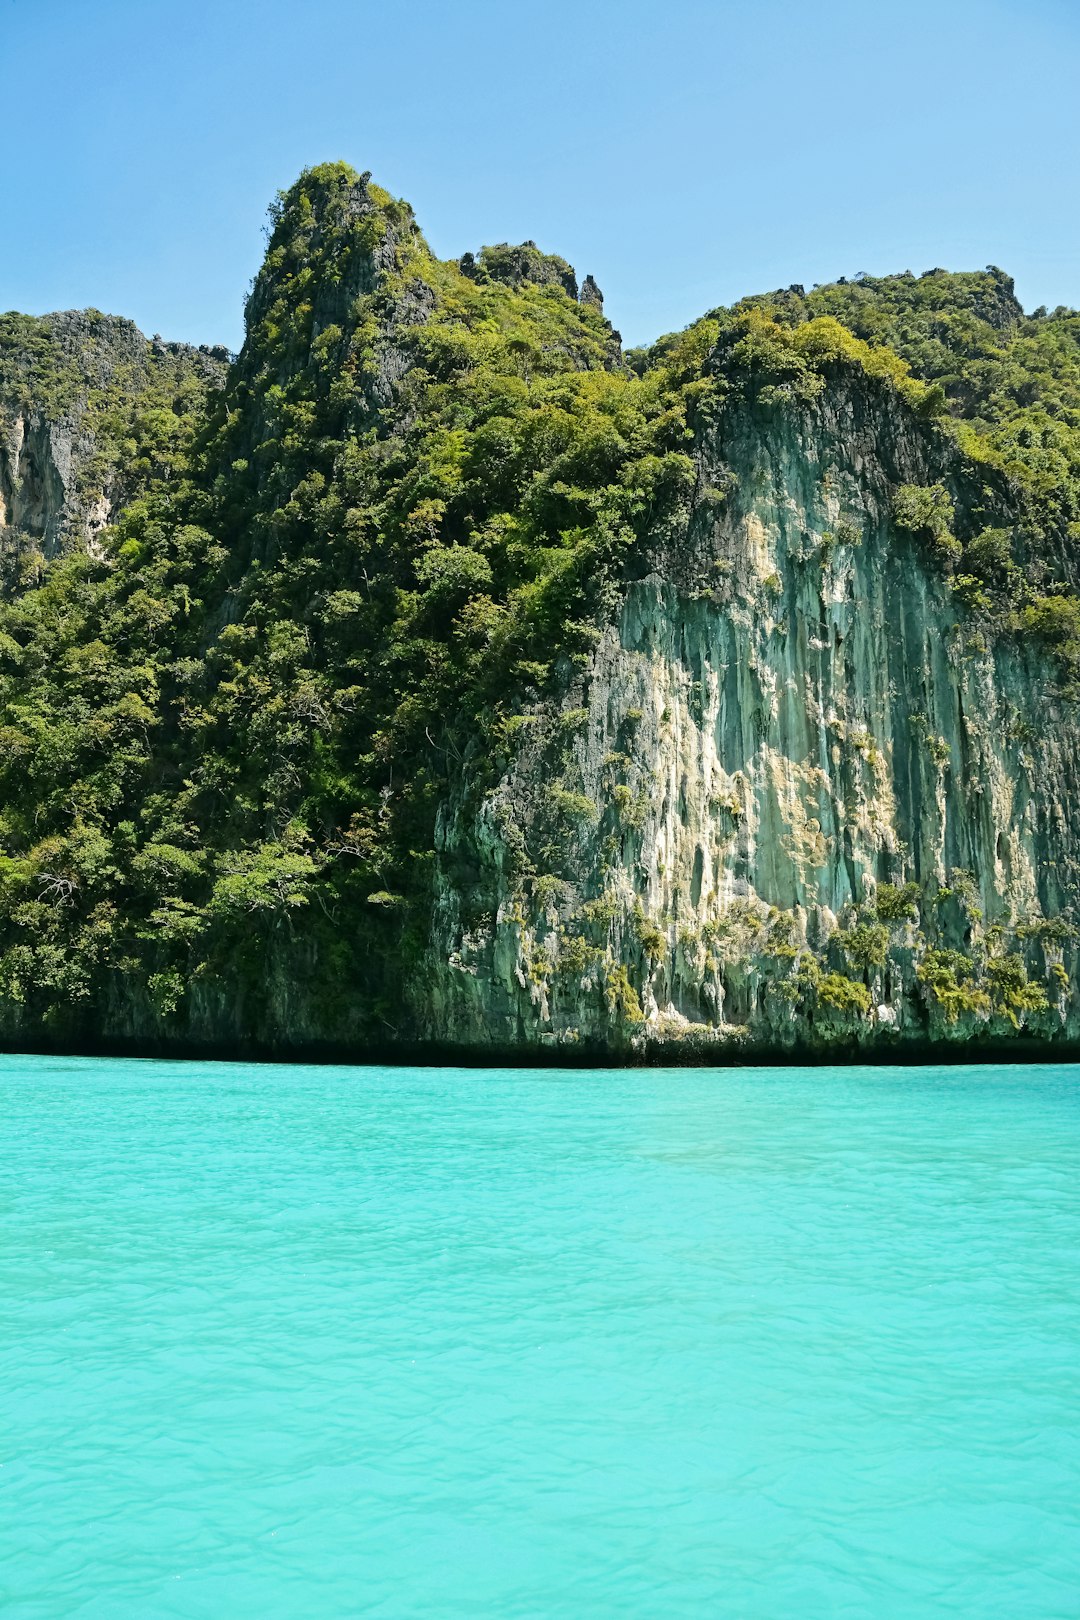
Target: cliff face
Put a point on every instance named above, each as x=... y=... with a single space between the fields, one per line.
x=789 y=710
x=447 y=678
x=90 y=414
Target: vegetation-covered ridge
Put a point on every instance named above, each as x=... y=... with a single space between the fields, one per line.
x=92 y=415
x=340 y=591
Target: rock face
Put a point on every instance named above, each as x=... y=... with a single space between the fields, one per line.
x=788 y=712
x=35 y=475
x=73 y=387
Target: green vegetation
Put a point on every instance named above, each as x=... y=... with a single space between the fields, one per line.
x=1055 y=621
x=896 y=905
x=778 y=361
x=998 y=985
x=928 y=514
x=843 y=995
x=865 y=945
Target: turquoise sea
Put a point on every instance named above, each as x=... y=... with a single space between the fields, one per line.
x=298 y=1343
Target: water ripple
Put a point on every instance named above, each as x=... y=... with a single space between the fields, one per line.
x=294 y=1342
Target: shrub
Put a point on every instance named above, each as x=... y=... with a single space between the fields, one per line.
x=894 y=905
x=865 y=944
x=844 y=995
x=949 y=977
x=650 y=938
x=989 y=557
x=1055 y=621
x=1012 y=990
x=927 y=512
x=572 y=806
x=620 y=995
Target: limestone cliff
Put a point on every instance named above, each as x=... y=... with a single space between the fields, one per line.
x=436 y=676
x=788 y=710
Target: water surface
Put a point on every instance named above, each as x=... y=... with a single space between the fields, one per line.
x=313 y=1342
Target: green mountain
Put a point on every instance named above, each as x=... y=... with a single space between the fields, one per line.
x=434 y=674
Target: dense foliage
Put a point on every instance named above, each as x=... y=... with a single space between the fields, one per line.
x=1012 y=382
x=226 y=738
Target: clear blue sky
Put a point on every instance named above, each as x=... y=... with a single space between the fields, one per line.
x=684 y=151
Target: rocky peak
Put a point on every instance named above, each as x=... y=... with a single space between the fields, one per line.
x=516 y=265
x=591 y=294
x=332 y=236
